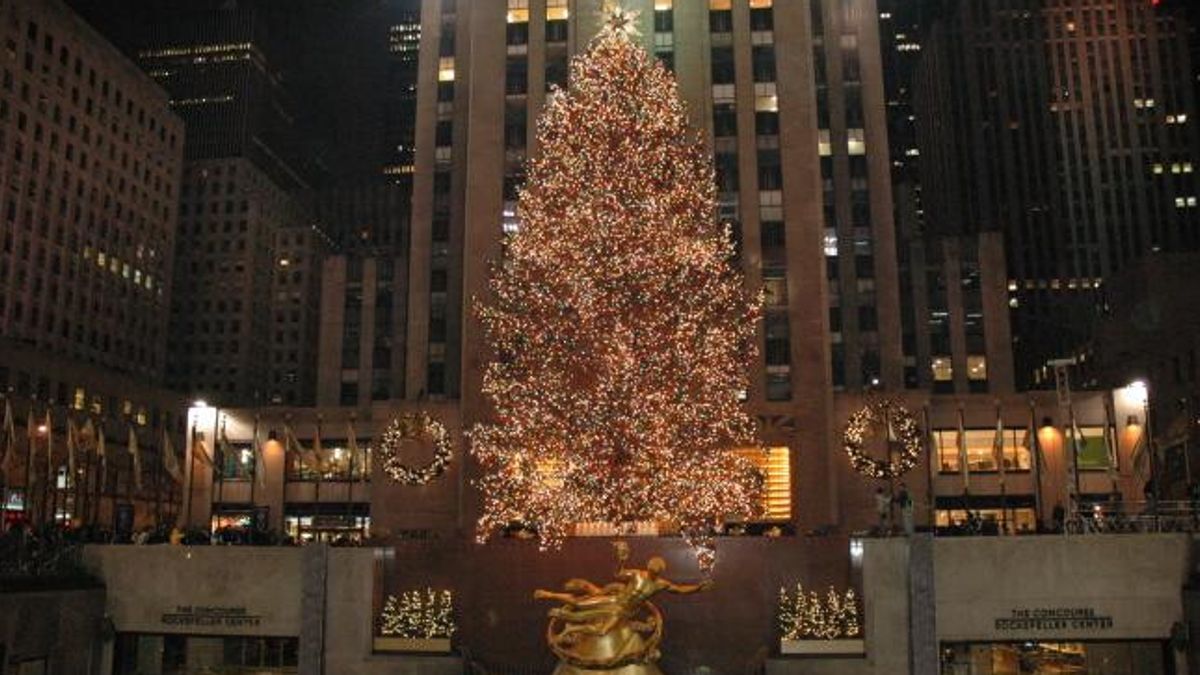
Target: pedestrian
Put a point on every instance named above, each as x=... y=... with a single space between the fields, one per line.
x=905 y=502
x=883 y=508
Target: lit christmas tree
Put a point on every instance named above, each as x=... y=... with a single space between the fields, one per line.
x=621 y=332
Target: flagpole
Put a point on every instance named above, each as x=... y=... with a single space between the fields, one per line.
x=1073 y=484
x=8 y=448
x=1036 y=448
x=49 y=458
x=254 y=450
x=1001 y=468
x=215 y=472
x=930 y=497
x=191 y=471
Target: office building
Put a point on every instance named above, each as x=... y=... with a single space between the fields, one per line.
x=90 y=163
x=1070 y=127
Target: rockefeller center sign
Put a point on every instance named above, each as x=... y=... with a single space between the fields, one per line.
x=1053 y=619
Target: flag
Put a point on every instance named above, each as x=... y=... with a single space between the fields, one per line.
x=72 y=446
x=8 y=454
x=318 y=453
x=49 y=445
x=31 y=449
x=356 y=458
x=292 y=445
x=136 y=454
x=198 y=450
x=1110 y=440
x=224 y=451
x=1141 y=457
x=964 y=466
x=998 y=446
x=101 y=451
x=1076 y=446
x=260 y=462
x=170 y=461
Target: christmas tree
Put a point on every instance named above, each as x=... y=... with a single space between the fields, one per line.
x=620 y=330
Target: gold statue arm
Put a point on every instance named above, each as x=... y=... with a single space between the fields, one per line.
x=687 y=589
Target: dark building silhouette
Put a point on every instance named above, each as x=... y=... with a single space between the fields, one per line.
x=1071 y=128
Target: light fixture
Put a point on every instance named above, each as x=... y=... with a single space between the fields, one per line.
x=1132 y=421
x=199 y=403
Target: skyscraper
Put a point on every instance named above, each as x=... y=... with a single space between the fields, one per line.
x=91 y=161
x=242 y=185
x=1070 y=127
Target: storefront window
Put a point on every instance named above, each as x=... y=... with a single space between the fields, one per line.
x=336 y=523
x=981 y=454
x=1054 y=658
x=142 y=654
x=1017 y=520
x=334 y=461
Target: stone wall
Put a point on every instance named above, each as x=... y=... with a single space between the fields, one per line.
x=64 y=627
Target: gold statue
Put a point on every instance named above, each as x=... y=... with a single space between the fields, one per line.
x=614 y=630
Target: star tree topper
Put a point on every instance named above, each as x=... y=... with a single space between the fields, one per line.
x=619 y=19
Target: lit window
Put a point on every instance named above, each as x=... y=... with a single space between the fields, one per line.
x=765 y=99
x=1157 y=168
x=446 y=69
x=760 y=4
x=79 y=399
x=518 y=11
x=831 y=242
x=981 y=451
x=856 y=142
x=776 y=466
x=824 y=146
x=942 y=369
x=977 y=368
x=556 y=10
x=663 y=5
x=720 y=5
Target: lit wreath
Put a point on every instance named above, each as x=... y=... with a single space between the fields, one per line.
x=412 y=427
x=902 y=423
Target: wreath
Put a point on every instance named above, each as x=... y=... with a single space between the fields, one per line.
x=412 y=427
x=899 y=422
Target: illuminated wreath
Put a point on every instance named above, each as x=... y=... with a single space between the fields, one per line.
x=412 y=427
x=902 y=423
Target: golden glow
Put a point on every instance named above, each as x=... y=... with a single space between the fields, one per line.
x=776 y=467
x=720 y=5
x=556 y=10
x=663 y=5
x=518 y=11
x=620 y=332
x=760 y=4
x=446 y=69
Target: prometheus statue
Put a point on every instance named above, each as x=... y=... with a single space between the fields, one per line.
x=614 y=630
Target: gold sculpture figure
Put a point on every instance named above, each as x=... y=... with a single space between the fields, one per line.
x=614 y=630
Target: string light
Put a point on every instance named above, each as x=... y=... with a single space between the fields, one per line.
x=621 y=332
x=414 y=427
x=804 y=615
x=901 y=425
x=416 y=615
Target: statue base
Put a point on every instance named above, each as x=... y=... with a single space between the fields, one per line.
x=631 y=669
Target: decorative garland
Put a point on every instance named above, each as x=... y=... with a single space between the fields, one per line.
x=412 y=427
x=900 y=421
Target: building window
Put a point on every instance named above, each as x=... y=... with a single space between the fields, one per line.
x=981 y=451
x=776 y=467
x=518 y=11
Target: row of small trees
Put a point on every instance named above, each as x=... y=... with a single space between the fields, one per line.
x=805 y=615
